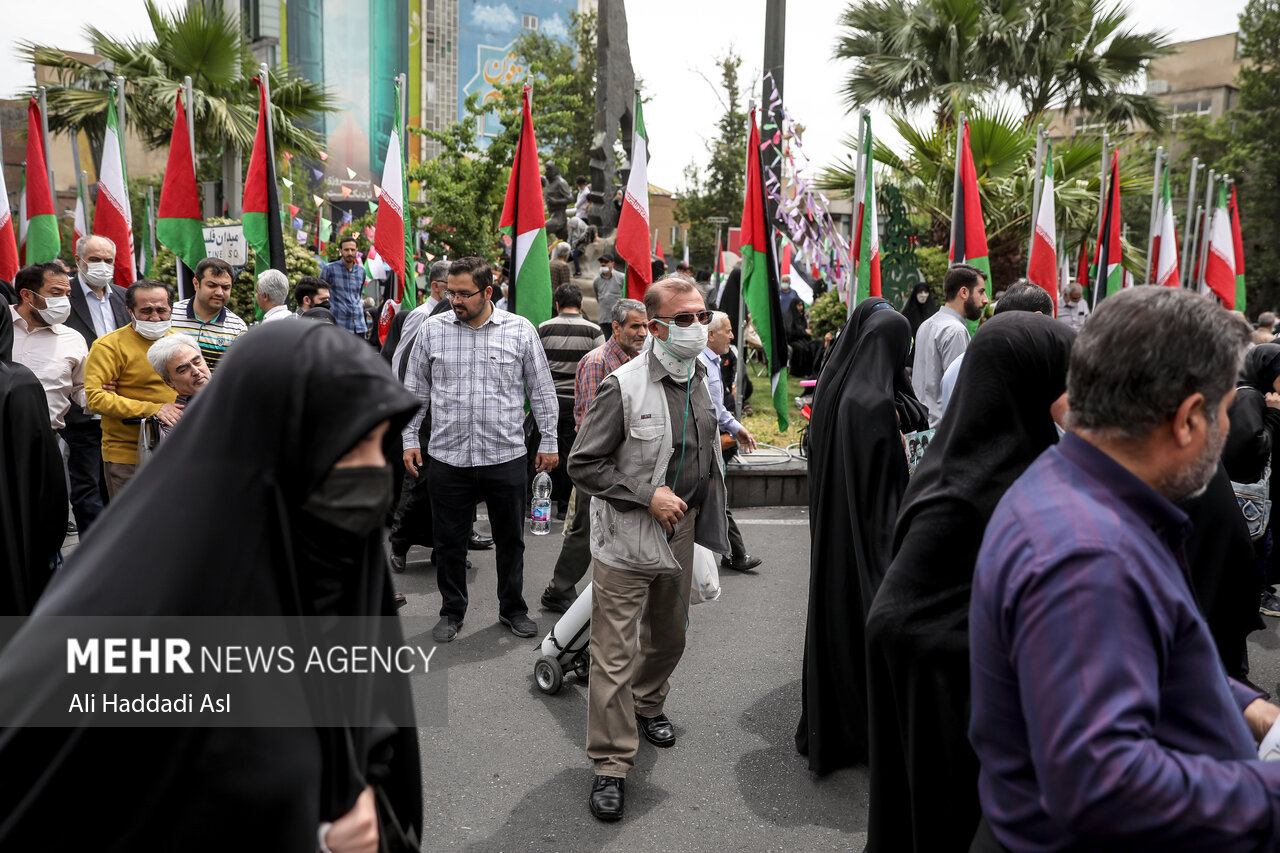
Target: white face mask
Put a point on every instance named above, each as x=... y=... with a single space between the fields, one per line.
x=922 y=297
x=98 y=273
x=683 y=344
x=152 y=330
x=57 y=309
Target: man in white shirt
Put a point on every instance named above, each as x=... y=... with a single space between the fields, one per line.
x=273 y=296
x=1074 y=310
x=52 y=351
x=943 y=337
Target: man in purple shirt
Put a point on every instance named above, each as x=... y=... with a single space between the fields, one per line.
x=1101 y=714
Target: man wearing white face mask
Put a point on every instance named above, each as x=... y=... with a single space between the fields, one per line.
x=648 y=452
x=41 y=341
x=97 y=309
x=119 y=360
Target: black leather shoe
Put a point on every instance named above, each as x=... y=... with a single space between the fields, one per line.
x=479 y=543
x=446 y=629
x=657 y=730
x=554 y=603
x=607 y=797
x=741 y=563
x=398 y=562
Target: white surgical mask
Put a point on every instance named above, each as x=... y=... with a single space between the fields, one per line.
x=682 y=346
x=57 y=309
x=98 y=273
x=152 y=330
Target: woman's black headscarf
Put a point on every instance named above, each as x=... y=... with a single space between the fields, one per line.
x=924 y=775
x=917 y=313
x=213 y=526
x=857 y=473
x=1251 y=437
x=33 y=491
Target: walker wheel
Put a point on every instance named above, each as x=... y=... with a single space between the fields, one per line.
x=548 y=674
x=582 y=667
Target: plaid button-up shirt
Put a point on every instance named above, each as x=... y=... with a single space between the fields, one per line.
x=592 y=370
x=473 y=382
x=345 y=289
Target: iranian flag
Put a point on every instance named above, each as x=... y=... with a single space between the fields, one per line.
x=1220 y=264
x=969 y=233
x=261 y=209
x=1042 y=266
x=1165 y=247
x=524 y=221
x=1237 y=246
x=760 y=277
x=867 y=239
x=1108 y=273
x=391 y=236
x=8 y=243
x=113 y=218
x=42 y=241
x=632 y=241
x=179 y=225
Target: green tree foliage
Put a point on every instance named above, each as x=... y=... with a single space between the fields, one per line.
x=717 y=190
x=199 y=41
x=564 y=73
x=827 y=314
x=951 y=54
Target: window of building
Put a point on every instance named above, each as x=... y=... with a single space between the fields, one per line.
x=1186 y=109
x=529 y=22
x=249 y=19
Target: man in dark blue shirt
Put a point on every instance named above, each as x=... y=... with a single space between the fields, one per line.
x=346 y=285
x=1101 y=713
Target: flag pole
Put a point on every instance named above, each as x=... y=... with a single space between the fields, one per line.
x=151 y=221
x=1203 y=252
x=191 y=120
x=1188 y=236
x=1035 y=196
x=1151 y=225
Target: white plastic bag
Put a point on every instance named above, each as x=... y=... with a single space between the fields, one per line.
x=706 y=576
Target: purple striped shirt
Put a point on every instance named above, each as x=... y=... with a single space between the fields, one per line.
x=1101 y=714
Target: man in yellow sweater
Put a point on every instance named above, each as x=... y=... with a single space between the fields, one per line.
x=118 y=361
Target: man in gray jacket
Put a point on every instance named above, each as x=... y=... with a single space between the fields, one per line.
x=648 y=452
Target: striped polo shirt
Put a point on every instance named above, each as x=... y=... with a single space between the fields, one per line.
x=214 y=336
x=566 y=338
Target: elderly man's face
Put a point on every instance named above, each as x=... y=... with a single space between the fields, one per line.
x=187 y=371
x=720 y=336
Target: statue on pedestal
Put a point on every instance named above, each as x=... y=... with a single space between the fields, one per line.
x=558 y=196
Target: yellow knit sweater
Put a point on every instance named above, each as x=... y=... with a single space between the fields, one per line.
x=121 y=357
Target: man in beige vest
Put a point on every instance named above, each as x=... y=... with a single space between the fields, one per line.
x=648 y=452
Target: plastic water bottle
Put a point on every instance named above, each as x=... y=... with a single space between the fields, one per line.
x=540 y=514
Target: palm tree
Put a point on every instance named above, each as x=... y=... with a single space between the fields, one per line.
x=952 y=53
x=199 y=42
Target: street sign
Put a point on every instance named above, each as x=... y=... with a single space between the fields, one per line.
x=718 y=220
x=227 y=243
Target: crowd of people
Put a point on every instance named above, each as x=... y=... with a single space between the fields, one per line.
x=1035 y=640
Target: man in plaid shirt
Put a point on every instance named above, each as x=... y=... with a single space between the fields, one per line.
x=630 y=328
x=471 y=367
x=346 y=284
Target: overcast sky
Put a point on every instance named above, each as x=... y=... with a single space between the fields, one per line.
x=672 y=41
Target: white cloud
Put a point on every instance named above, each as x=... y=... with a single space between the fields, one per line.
x=554 y=27
x=496 y=18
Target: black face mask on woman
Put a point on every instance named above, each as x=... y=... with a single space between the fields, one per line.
x=352 y=499
x=332 y=532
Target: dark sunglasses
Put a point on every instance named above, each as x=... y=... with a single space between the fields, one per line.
x=686 y=319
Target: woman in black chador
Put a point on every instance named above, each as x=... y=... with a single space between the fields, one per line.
x=267 y=500
x=920 y=306
x=857 y=473
x=924 y=775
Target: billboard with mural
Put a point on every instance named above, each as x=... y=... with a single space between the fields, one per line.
x=487 y=31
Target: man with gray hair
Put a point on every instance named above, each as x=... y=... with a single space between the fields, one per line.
x=1267 y=322
x=629 y=332
x=273 y=296
x=1074 y=309
x=1101 y=714
x=178 y=361
x=561 y=272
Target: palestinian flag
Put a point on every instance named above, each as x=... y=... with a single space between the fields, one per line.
x=113 y=218
x=969 y=234
x=867 y=240
x=1165 y=246
x=42 y=242
x=1220 y=262
x=391 y=237
x=1237 y=245
x=8 y=242
x=1042 y=266
x=262 y=228
x=632 y=240
x=179 y=225
x=760 y=277
x=524 y=221
x=1108 y=273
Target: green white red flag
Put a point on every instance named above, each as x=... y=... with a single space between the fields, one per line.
x=867 y=238
x=760 y=278
x=1220 y=263
x=632 y=241
x=392 y=235
x=1165 y=246
x=261 y=209
x=178 y=224
x=524 y=220
x=42 y=239
x=1042 y=266
x=113 y=217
